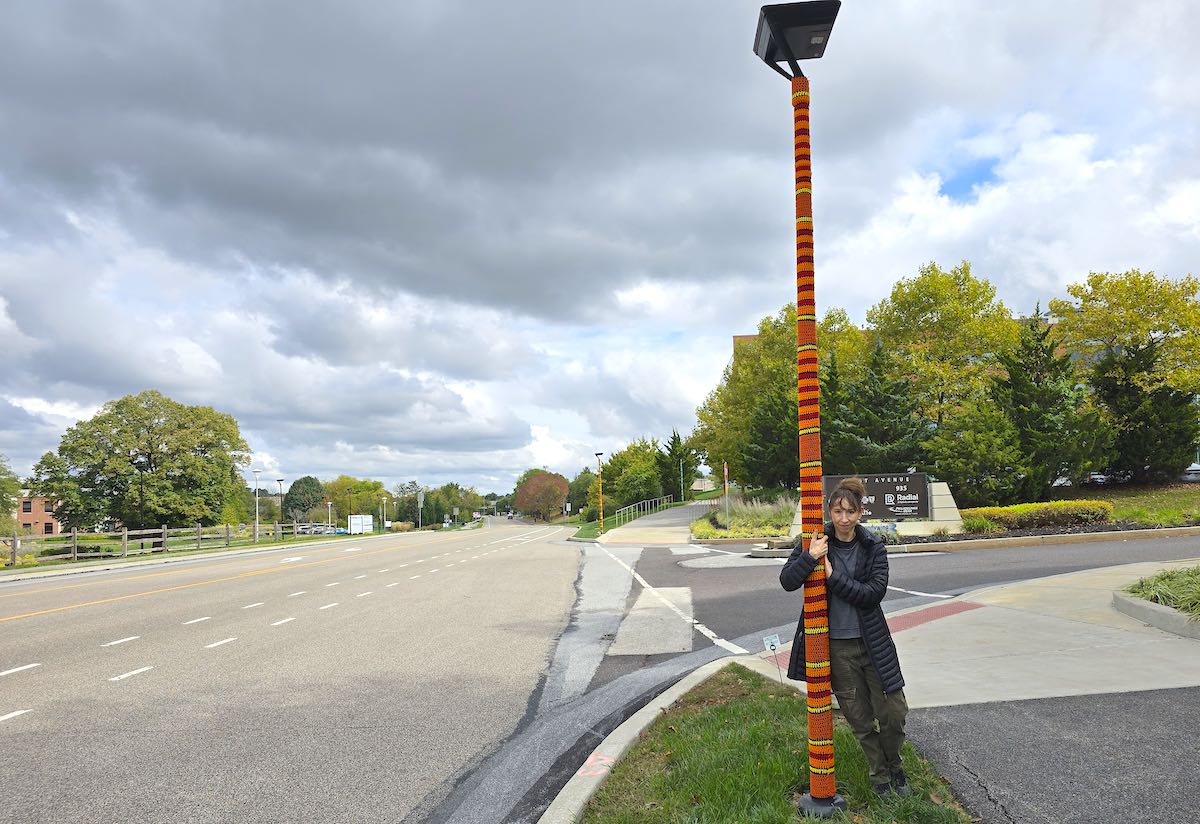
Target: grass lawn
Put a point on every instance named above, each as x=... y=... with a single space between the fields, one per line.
x=734 y=749
x=1176 y=588
x=1170 y=505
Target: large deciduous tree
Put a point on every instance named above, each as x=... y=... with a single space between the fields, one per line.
x=945 y=328
x=143 y=460
x=10 y=490
x=304 y=494
x=542 y=494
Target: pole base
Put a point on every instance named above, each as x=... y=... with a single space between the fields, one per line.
x=820 y=807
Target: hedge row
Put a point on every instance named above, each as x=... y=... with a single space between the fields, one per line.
x=1052 y=513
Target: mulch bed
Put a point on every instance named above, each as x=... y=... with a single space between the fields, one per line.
x=1118 y=526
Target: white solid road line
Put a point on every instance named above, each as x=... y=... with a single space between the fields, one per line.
x=252 y=606
x=284 y=621
x=329 y=606
x=121 y=641
x=18 y=669
x=130 y=674
x=218 y=643
x=703 y=630
x=301 y=592
x=13 y=715
x=923 y=594
x=198 y=620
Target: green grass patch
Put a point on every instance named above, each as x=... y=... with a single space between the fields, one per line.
x=1175 y=588
x=1151 y=506
x=734 y=749
x=1079 y=512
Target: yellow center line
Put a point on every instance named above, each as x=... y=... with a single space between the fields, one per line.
x=197 y=583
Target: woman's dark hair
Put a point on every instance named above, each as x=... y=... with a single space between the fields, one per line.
x=849 y=492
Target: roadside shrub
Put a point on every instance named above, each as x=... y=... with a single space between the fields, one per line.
x=26 y=560
x=887 y=533
x=402 y=526
x=1050 y=514
x=977 y=525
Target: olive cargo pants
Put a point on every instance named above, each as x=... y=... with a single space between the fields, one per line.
x=876 y=719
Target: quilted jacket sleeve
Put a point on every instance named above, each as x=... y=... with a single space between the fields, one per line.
x=866 y=593
x=796 y=569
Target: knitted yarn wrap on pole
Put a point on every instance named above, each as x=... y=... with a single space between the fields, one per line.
x=822 y=781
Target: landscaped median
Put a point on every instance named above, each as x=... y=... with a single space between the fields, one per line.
x=734 y=749
x=1169 y=600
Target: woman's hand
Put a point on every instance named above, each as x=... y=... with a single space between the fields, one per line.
x=819 y=546
x=828 y=567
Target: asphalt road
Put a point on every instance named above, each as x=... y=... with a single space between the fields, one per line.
x=335 y=683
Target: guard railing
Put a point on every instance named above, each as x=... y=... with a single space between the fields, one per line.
x=628 y=513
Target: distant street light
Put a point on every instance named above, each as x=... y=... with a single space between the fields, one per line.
x=788 y=33
x=256 y=472
x=281 y=515
x=600 y=488
x=329 y=513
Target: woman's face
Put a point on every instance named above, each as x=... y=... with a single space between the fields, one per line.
x=843 y=516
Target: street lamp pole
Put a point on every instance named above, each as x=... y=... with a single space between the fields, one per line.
x=282 y=518
x=681 y=480
x=787 y=33
x=256 y=472
x=600 y=491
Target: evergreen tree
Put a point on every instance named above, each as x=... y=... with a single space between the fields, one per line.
x=978 y=453
x=676 y=460
x=883 y=428
x=1059 y=432
x=839 y=453
x=771 y=455
x=1157 y=429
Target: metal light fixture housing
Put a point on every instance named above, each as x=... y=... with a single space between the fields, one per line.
x=789 y=32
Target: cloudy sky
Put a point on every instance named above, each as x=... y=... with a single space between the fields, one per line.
x=453 y=239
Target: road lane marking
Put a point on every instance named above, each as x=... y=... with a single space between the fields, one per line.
x=218 y=643
x=130 y=674
x=335 y=583
x=198 y=620
x=383 y=571
x=292 y=560
x=252 y=606
x=363 y=594
x=353 y=549
x=329 y=606
x=435 y=570
x=395 y=584
x=413 y=577
x=284 y=621
x=121 y=641
x=402 y=566
x=701 y=628
x=13 y=715
x=18 y=669
x=301 y=592
x=924 y=594
x=359 y=577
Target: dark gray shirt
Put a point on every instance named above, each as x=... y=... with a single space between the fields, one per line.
x=843 y=617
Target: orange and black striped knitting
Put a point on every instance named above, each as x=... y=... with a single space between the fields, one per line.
x=822 y=782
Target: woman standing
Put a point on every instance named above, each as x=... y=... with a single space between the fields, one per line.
x=864 y=666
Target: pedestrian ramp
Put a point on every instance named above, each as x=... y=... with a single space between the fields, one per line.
x=659 y=622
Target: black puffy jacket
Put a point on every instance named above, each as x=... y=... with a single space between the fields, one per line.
x=864 y=590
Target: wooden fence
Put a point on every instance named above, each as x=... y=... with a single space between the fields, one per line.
x=74 y=545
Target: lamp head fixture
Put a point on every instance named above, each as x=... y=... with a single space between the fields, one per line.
x=789 y=32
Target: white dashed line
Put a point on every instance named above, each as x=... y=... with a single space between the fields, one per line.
x=198 y=620
x=218 y=643
x=291 y=560
x=384 y=570
x=329 y=606
x=18 y=669
x=359 y=577
x=413 y=577
x=353 y=549
x=121 y=641
x=435 y=570
x=301 y=592
x=130 y=674
x=252 y=606
x=402 y=566
x=335 y=583
x=363 y=594
x=395 y=584
x=284 y=621
x=13 y=715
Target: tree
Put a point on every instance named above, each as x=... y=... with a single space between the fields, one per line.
x=841 y=340
x=1131 y=311
x=303 y=495
x=946 y=328
x=771 y=456
x=146 y=460
x=577 y=492
x=1156 y=430
x=353 y=496
x=10 y=490
x=542 y=494
x=1061 y=434
x=883 y=430
x=978 y=454
x=677 y=463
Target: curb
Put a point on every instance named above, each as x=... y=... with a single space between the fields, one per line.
x=1041 y=540
x=1156 y=615
x=567 y=807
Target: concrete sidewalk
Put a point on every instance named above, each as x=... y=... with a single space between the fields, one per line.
x=997 y=681
x=671 y=527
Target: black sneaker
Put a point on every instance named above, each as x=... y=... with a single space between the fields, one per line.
x=882 y=789
x=899 y=783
